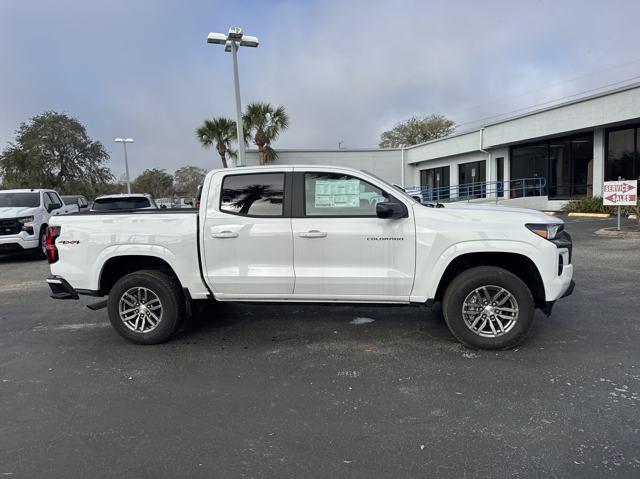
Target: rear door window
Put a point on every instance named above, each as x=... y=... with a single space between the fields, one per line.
x=256 y=194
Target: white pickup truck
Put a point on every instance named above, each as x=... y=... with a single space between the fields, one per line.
x=314 y=234
x=24 y=216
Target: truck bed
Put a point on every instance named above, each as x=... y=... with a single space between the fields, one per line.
x=89 y=240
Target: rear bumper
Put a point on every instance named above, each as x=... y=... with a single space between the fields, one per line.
x=60 y=288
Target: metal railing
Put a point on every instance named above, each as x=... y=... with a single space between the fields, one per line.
x=519 y=188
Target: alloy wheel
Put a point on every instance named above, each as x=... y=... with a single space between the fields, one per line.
x=140 y=309
x=490 y=311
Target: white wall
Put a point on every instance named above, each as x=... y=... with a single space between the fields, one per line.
x=598 y=161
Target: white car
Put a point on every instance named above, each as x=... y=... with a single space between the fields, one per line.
x=120 y=202
x=315 y=234
x=24 y=216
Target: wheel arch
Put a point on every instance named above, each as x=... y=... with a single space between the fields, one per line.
x=117 y=267
x=519 y=264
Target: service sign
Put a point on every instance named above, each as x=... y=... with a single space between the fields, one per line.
x=620 y=193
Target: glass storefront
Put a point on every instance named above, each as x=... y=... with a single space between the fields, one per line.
x=566 y=164
x=622 y=154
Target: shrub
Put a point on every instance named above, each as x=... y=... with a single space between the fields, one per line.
x=594 y=205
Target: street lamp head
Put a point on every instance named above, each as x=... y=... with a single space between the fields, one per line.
x=124 y=140
x=249 y=41
x=235 y=36
x=219 y=38
x=235 y=33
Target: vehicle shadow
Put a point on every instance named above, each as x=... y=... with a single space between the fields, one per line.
x=18 y=258
x=266 y=323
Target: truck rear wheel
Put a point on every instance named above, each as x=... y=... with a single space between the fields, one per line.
x=488 y=308
x=146 y=307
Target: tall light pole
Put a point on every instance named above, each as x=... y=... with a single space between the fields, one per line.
x=231 y=42
x=124 y=142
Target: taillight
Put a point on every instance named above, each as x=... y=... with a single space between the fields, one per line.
x=50 y=242
x=197 y=205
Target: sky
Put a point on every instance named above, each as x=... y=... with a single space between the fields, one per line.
x=344 y=70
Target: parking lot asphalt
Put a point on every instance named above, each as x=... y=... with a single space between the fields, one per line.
x=325 y=391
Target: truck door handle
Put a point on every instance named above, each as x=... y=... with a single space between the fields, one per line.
x=313 y=234
x=225 y=234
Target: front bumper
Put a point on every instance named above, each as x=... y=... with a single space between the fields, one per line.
x=20 y=242
x=569 y=290
x=549 y=304
x=60 y=288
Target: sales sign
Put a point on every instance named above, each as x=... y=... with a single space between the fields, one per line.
x=620 y=193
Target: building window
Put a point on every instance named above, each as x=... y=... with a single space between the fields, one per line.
x=434 y=183
x=622 y=154
x=564 y=164
x=472 y=178
x=258 y=194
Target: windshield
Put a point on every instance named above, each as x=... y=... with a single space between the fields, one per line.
x=392 y=187
x=24 y=200
x=114 y=204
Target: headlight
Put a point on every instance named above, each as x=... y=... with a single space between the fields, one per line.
x=27 y=224
x=546 y=231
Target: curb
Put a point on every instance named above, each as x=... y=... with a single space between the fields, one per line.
x=590 y=215
x=614 y=233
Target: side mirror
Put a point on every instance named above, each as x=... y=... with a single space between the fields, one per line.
x=391 y=210
x=53 y=206
x=418 y=198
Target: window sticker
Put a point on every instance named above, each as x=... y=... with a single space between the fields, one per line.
x=337 y=193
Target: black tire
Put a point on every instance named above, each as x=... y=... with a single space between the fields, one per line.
x=40 y=252
x=168 y=292
x=469 y=281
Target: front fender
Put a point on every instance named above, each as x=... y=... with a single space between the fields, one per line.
x=430 y=268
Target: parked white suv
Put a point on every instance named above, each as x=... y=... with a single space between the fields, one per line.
x=24 y=216
x=315 y=234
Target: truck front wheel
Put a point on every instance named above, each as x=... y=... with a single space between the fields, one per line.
x=146 y=307
x=488 y=308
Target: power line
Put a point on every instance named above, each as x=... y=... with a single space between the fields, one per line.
x=524 y=109
x=564 y=82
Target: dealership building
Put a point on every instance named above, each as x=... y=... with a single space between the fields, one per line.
x=540 y=159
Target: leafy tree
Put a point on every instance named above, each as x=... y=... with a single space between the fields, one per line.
x=53 y=150
x=220 y=132
x=417 y=130
x=155 y=181
x=264 y=123
x=187 y=179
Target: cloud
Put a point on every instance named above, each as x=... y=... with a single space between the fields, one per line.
x=345 y=70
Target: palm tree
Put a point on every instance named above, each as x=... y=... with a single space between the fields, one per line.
x=219 y=132
x=264 y=123
x=252 y=193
